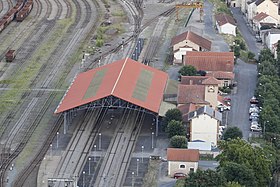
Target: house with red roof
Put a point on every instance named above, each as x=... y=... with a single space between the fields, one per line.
x=225 y=24
x=195 y=92
x=182 y=160
x=220 y=65
x=188 y=41
x=263 y=19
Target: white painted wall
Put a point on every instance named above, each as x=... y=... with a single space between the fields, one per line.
x=178 y=55
x=174 y=167
x=227 y=29
x=204 y=128
x=272 y=39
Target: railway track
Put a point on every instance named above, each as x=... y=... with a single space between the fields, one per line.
x=81 y=143
x=115 y=163
x=118 y=47
x=23 y=176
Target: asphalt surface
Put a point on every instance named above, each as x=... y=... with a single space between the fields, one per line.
x=246 y=77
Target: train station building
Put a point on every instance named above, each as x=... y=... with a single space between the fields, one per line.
x=121 y=84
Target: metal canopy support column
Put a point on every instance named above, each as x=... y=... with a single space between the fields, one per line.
x=65 y=122
x=157 y=125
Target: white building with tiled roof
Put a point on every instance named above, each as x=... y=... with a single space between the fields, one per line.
x=225 y=24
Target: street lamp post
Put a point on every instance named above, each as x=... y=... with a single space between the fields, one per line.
x=132 y=179
x=57 y=133
x=142 y=150
x=89 y=159
x=84 y=178
x=99 y=141
x=264 y=127
x=153 y=140
x=137 y=166
x=94 y=156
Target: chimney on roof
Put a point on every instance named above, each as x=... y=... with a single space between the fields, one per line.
x=194 y=114
x=191 y=82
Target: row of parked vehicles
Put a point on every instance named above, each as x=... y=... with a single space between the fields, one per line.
x=254 y=111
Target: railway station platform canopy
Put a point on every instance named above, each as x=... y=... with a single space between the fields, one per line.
x=123 y=83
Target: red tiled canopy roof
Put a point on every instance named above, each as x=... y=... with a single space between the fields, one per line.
x=199 y=40
x=191 y=94
x=125 y=79
x=210 y=61
x=185 y=155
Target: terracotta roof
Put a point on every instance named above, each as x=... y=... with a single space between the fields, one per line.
x=126 y=79
x=185 y=109
x=221 y=75
x=211 y=81
x=185 y=155
x=191 y=94
x=192 y=80
x=222 y=19
x=260 y=16
x=199 y=40
x=210 y=61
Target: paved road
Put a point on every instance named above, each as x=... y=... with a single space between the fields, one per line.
x=246 y=76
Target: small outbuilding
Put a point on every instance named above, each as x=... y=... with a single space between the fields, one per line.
x=225 y=24
x=182 y=160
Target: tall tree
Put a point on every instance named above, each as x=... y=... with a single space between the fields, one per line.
x=239 y=173
x=232 y=133
x=172 y=114
x=188 y=70
x=179 y=142
x=278 y=57
x=240 y=152
x=175 y=128
x=207 y=178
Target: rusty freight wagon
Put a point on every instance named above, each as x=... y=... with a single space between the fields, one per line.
x=23 y=13
x=10 y=55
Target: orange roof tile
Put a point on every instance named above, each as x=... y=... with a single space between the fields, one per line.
x=185 y=109
x=125 y=79
x=210 y=61
x=189 y=35
x=223 y=18
x=185 y=155
x=192 y=80
x=191 y=94
x=211 y=81
x=221 y=75
x=260 y=16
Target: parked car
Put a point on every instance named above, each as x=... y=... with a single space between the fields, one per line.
x=254 y=100
x=222 y=107
x=179 y=175
x=227 y=99
x=254 y=110
x=255 y=123
x=253 y=118
x=254 y=114
x=255 y=128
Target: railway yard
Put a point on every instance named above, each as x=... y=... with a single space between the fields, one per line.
x=54 y=42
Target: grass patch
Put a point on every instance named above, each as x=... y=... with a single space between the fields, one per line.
x=150 y=179
x=220 y=7
x=180 y=183
x=23 y=79
x=118 y=13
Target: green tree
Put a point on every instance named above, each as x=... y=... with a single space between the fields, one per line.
x=233 y=184
x=239 y=173
x=172 y=114
x=207 y=178
x=241 y=152
x=188 y=70
x=236 y=51
x=179 y=142
x=232 y=133
x=251 y=55
x=278 y=57
x=175 y=128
